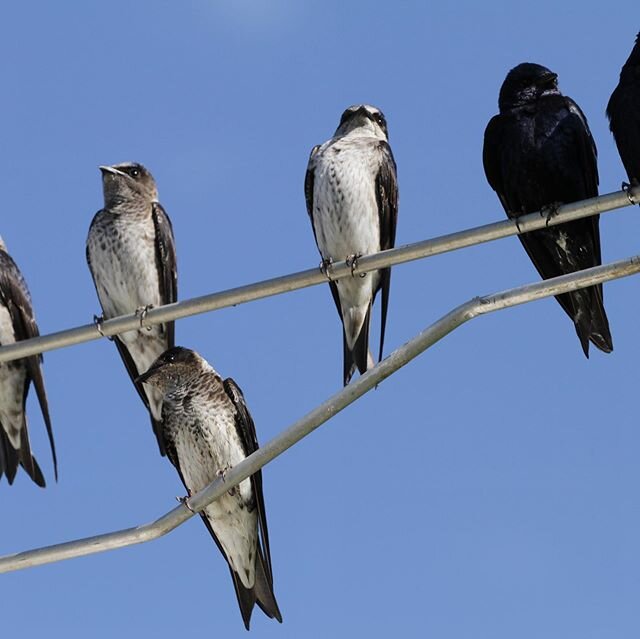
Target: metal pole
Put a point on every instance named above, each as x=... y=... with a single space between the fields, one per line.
x=322 y=413
x=312 y=277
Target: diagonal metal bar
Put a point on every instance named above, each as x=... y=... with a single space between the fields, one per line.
x=322 y=413
x=312 y=277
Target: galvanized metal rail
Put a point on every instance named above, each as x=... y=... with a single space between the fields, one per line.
x=322 y=413
x=312 y=277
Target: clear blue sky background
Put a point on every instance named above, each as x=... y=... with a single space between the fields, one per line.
x=488 y=490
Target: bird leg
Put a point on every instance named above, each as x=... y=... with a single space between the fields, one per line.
x=352 y=262
x=626 y=187
x=325 y=267
x=141 y=312
x=98 y=320
x=550 y=210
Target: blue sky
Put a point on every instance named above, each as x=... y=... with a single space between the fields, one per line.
x=489 y=489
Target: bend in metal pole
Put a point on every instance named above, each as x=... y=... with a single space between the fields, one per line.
x=312 y=277
x=322 y=413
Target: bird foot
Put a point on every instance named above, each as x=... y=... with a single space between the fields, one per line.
x=98 y=320
x=222 y=472
x=352 y=262
x=550 y=210
x=325 y=267
x=141 y=312
x=185 y=502
x=626 y=187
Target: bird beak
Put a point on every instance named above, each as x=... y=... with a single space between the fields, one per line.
x=145 y=377
x=112 y=170
x=548 y=78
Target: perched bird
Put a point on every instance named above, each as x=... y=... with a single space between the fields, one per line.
x=623 y=112
x=17 y=322
x=132 y=257
x=352 y=199
x=207 y=429
x=539 y=153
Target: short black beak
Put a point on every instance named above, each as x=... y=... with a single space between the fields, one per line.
x=549 y=78
x=110 y=169
x=154 y=368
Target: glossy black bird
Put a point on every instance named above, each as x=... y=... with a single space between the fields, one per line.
x=132 y=257
x=352 y=199
x=538 y=153
x=17 y=322
x=623 y=112
x=207 y=429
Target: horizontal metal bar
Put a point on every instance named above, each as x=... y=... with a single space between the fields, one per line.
x=322 y=413
x=312 y=277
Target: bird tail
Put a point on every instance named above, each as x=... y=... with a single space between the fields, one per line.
x=358 y=357
x=10 y=458
x=263 y=589
x=591 y=320
x=261 y=593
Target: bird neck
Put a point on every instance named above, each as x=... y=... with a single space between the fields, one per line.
x=129 y=206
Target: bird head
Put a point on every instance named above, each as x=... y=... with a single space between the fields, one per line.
x=126 y=182
x=173 y=368
x=526 y=83
x=366 y=119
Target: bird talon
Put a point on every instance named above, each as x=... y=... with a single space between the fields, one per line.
x=626 y=187
x=185 y=502
x=352 y=262
x=98 y=321
x=142 y=312
x=222 y=473
x=550 y=210
x=325 y=267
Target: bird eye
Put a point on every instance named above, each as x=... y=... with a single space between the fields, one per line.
x=134 y=173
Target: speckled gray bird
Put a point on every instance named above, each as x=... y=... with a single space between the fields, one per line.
x=17 y=322
x=206 y=430
x=351 y=191
x=132 y=257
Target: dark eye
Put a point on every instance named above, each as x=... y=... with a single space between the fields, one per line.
x=379 y=119
x=134 y=173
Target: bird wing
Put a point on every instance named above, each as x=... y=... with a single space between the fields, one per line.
x=308 y=188
x=247 y=431
x=15 y=297
x=387 y=201
x=492 y=160
x=624 y=117
x=166 y=262
x=308 y=194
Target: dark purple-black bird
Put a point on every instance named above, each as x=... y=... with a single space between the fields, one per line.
x=623 y=112
x=132 y=257
x=207 y=429
x=539 y=153
x=17 y=322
